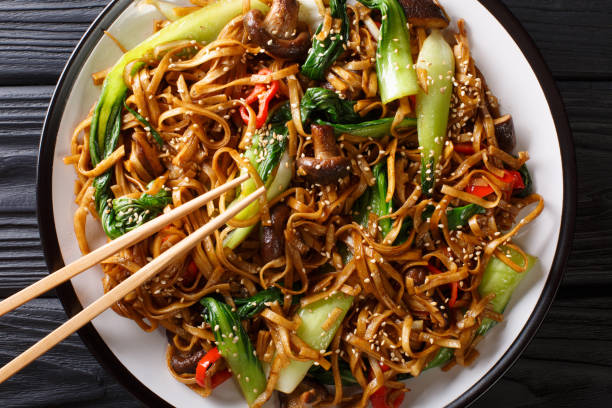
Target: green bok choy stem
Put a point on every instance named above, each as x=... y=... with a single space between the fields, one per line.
x=266 y=153
x=313 y=317
x=394 y=66
x=235 y=347
x=436 y=66
x=500 y=279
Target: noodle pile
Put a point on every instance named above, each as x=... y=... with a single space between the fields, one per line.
x=191 y=93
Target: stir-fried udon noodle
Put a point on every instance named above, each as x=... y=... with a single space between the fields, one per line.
x=411 y=273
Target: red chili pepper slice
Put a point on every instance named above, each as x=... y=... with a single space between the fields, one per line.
x=508 y=178
x=219 y=378
x=264 y=95
x=480 y=191
x=379 y=398
x=190 y=274
x=464 y=148
x=257 y=89
x=412 y=100
x=433 y=269
x=454 y=286
x=454 y=293
x=517 y=180
x=204 y=364
x=511 y=177
x=398 y=400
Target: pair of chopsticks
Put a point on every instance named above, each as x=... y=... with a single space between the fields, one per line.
x=125 y=287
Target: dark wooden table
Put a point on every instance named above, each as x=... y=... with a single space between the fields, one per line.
x=569 y=363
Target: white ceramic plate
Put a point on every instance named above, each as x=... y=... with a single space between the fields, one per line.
x=516 y=74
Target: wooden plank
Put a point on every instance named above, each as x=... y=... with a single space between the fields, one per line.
x=588 y=106
x=22 y=112
x=37 y=37
x=569 y=361
x=21 y=258
x=542 y=383
x=67 y=376
x=573 y=36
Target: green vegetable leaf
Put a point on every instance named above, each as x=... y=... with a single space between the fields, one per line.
x=102 y=183
x=442 y=357
x=379 y=205
x=323 y=53
x=281 y=115
x=460 y=216
x=457 y=216
x=252 y=306
x=326 y=377
x=266 y=150
x=373 y=201
x=325 y=107
x=404 y=232
x=321 y=103
x=146 y=125
x=527 y=181
x=375 y=129
x=131 y=213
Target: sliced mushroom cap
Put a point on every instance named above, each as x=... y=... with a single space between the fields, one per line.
x=273 y=237
x=504 y=133
x=424 y=13
x=307 y=393
x=186 y=362
x=282 y=19
x=424 y=241
x=327 y=165
x=418 y=274
x=323 y=171
x=277 y=32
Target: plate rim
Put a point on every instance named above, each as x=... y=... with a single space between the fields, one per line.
x=98 y=348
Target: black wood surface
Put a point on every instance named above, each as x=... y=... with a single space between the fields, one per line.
x=569 y=363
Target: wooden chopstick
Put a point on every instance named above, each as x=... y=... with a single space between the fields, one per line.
x=93 y=258
x=121 y=290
